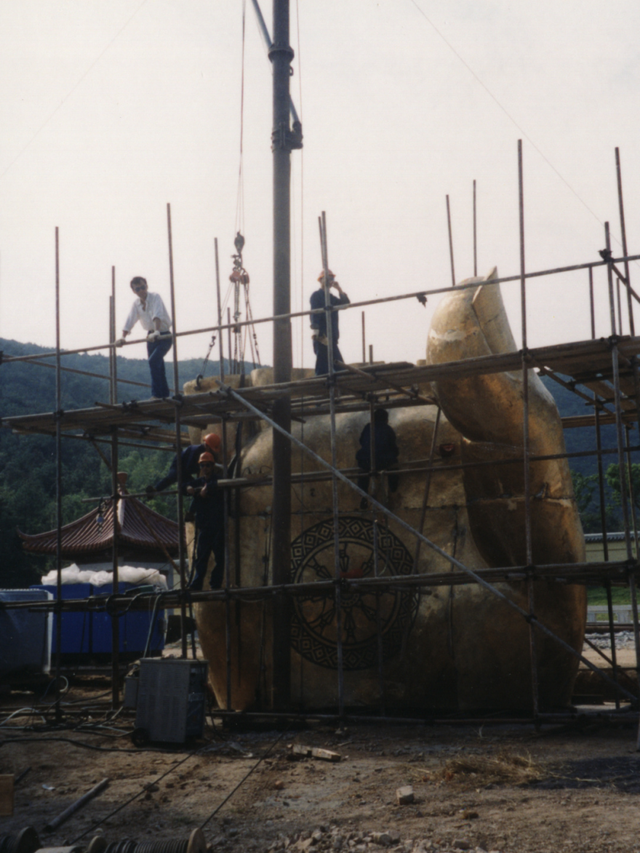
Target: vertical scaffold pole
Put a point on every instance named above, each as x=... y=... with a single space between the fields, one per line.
x=227 y=569
x=525 y=441
x=334 y=456
x=112 y=338
x=115 y=624
x=592 y=309
x=176 y=391
x=112 y=353
x=605 y=543
x=281 y=54
x=376 y=550
x=58 y=610
x=623 y=232
x=475 y=233
x=453 y=272
x=622 y=473
x=215 y=244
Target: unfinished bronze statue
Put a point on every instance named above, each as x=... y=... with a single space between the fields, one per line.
x=449 y=647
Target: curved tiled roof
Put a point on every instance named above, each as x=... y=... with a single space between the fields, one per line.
x=137 y=526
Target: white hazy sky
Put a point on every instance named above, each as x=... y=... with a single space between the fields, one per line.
x=112 y=108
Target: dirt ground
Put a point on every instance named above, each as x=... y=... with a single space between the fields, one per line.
x=491 y=787
x=488 y=787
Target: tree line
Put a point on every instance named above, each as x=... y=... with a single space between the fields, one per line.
x=28 y=463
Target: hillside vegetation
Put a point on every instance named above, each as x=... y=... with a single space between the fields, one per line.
x=28 y=463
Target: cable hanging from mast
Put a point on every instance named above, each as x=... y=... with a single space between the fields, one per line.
x=239 y=277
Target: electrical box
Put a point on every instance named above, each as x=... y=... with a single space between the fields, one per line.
x=171 y=699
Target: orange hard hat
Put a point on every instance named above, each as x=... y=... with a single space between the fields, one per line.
x=206 y=457
x=212 y=441
x=329 y=273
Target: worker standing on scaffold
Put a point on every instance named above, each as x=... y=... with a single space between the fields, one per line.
x=149 y=309
x=319 y=323
x=208 y=509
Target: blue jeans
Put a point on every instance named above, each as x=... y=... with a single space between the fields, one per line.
x=156 y=351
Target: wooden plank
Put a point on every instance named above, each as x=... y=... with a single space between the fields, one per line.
x=6 y=795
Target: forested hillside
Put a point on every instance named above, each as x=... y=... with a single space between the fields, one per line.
x=27 y=464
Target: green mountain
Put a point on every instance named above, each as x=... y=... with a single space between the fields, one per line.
x=28 y=463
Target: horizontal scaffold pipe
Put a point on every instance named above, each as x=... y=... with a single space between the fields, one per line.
x=321 y=476
x=384 y=299
x=120 y=603
x=529 y=617
x=624 y=715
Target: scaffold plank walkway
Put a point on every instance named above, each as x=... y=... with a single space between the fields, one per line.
x=585 y=362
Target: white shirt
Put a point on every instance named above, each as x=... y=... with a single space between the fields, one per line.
x=153 y=309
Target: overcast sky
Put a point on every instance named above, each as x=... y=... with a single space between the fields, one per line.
x=112 y=108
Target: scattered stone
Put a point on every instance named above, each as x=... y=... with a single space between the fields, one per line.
x=278 y=784
x=467 y=814
x=461 y=844
x=381 y=838
x=404 y=795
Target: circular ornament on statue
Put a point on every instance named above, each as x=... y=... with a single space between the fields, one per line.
x=314 y=623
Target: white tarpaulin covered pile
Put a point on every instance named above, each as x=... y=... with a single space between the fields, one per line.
x=126 y=574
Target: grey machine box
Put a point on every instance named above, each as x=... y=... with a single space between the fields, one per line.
x=171 y=700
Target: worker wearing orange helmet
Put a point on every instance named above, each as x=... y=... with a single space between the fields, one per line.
x=319 y=322
x=207 y=508
x=189 y=458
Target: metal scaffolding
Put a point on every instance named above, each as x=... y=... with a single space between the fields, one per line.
x=602 y=371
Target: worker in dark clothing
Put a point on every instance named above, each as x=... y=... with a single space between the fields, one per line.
x=385 y=449
x=189 y=459
x=208 y=508
x=319 y=323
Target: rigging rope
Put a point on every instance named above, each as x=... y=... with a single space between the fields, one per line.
x=239 y=224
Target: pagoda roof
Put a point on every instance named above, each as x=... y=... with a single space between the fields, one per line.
x=138 y=528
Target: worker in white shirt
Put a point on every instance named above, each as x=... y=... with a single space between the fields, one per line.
x=149 y=309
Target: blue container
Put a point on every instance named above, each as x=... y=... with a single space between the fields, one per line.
x=25 y=637
x=87 y=636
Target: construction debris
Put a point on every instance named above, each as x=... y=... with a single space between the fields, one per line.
x=315 y=752
x=404 y=795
